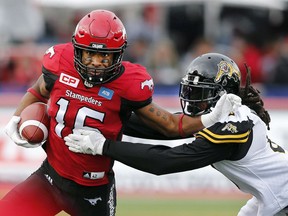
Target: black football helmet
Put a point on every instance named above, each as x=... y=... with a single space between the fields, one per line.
x=208 y=76
x=99 y=31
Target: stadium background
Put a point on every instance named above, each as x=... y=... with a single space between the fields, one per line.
x=179 y=190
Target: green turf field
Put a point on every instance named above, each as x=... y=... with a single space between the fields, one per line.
x=176 y=207
x=156 y=206
x=179 y=207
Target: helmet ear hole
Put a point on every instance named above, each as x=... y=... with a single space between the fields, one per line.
x=81 y=32
x=224 y=82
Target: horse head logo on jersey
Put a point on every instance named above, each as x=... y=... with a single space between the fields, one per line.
x=93 y=201
x=226 y=69
x=50 y=51
x=148 y=83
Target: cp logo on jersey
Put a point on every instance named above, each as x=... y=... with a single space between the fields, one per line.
x=69 y=80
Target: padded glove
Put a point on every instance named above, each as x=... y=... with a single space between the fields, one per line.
x=226 y=104
x=12 y=131
x=85 y=141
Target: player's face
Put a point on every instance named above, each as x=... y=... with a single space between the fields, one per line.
x=97 y=59
x=197 y=108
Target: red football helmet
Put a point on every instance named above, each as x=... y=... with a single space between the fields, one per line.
x=99 y=31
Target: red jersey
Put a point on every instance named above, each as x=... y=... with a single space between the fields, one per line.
x=103 y=107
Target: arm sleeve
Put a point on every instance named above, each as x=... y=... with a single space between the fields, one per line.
x=159 y=159
x=49 y=78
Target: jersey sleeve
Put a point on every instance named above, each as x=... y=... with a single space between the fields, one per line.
x=51 y=59
x=56 y=59
x=139 y=85
x=235 y=138
x=227 y=132
x=49 y=79
x=160 y=159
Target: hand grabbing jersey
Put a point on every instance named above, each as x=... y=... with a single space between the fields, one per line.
x=85 y=141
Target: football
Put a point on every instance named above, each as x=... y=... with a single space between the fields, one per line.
x=34 y=123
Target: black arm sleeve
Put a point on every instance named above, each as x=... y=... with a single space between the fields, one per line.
x=159 y=159
x=49 y=78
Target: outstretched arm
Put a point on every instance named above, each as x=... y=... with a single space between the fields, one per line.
x=135 y=127
x=179 y=125
x=155 y=159
x=160 y=159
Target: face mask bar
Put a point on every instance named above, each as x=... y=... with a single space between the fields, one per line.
x=197 y=99
x=97 y=76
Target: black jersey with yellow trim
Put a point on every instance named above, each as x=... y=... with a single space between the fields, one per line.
x=229 y=139
x=227 y=132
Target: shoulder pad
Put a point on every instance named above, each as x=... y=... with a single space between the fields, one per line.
x=58 y=56
x=141 y=85
x=227 y=132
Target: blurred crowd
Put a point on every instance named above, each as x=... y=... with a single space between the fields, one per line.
x=167 y=66
x=150 y=44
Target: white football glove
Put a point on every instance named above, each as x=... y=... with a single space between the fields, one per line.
x=85 y=141
x=12 y=131
x=226 y=104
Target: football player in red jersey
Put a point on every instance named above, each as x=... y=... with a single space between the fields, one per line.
x=88 y=86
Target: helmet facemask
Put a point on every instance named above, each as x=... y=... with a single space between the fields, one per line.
x=94 y=76
x=196 y=96
x=208 y=77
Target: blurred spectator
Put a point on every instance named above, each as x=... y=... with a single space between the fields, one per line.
x=200 y=47
x=7 y=68
x=26 y=71
x=144 y=30
x=238 y=37
x=20 y=21
x=21 y=25
x=21 y=66
x=146 y=25
x=137 y=51
x=163 y=63
x=270 y=55
x=281 y=68
x=244 y=52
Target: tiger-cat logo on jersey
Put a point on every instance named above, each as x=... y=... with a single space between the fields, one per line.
x=230 y=127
